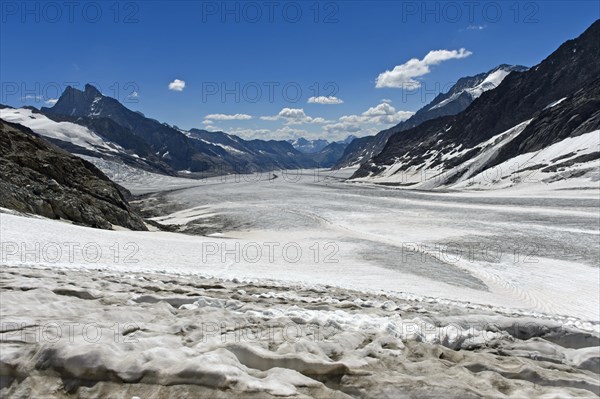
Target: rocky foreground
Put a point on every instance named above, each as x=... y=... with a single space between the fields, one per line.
x=39 y=178
x=100 y=333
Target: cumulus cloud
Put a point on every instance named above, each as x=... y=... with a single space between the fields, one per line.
x=228 y=117
x=325 y=100
x=51 y=101
x=177 y=85
x=270 y=118
x=370 y=121
x=385 y=113
x=404 y=76
x=293 y=116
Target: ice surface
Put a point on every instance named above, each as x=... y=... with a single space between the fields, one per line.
x=378 y=304
x=527 y=254
x=241 y=339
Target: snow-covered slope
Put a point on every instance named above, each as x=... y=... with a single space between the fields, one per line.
x=64 y=131
x=491 y=80
x=98 y=138
x=570 y=163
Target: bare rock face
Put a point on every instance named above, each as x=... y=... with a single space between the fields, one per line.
x=37 y=177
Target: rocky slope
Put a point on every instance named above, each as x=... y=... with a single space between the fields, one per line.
x=37 y=177
x=95 y=137
x=457 y=99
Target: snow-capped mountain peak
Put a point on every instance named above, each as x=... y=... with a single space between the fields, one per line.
x=475 y=86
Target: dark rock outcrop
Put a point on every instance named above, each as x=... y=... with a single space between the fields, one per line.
x=37 y=177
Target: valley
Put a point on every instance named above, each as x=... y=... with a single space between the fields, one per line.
x=356 y=243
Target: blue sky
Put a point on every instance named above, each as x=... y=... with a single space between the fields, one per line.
x=250 y=68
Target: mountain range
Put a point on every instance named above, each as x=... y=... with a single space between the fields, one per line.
x=542 y=121
x=315 y=146
x=88 y=123
x=455 y=100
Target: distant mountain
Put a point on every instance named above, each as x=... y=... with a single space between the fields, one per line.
x=544 y=120
x=170 y=145
x=348 y=139
x=308 y=146
x=37 y=177
x=113 y=131
x=324 y=153
x=330 y=154
x=96 y=137
x=257 y=154
x=457 y=99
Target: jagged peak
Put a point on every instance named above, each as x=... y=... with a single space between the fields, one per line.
x=92 y=90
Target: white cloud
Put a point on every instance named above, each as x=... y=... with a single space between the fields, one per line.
x=386 y=100
x=269 y=118
x=293 y=116
x=370 y=121
x=32 y=97
x=385 y=113
x=230 y=117
x=325 y=100
x=476 y=27
x=379 y=110
x=403 y=76
x=51 y=101
x=343 y=127
x=177 y=85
